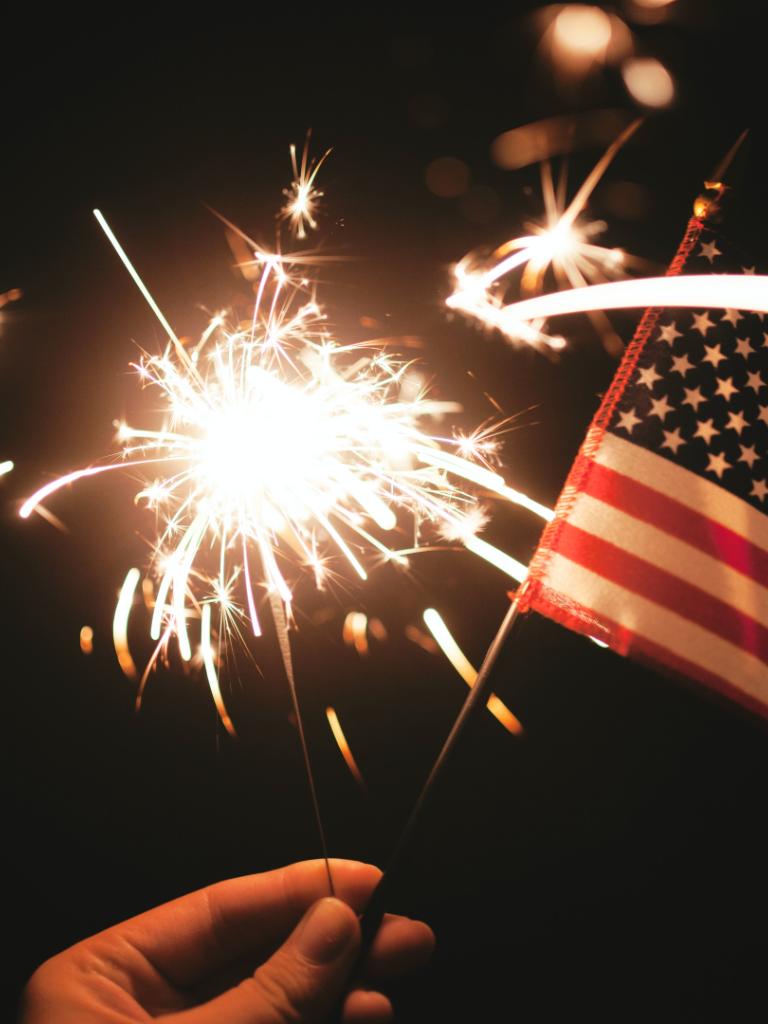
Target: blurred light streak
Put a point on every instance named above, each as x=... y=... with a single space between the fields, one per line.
x=556 y=136
x=12 y=295
x=210 y=668
x=86 y=640
x=341 y=740
x=500 y=559
x=443 y=637
x=695 y=291
x=120 y=623
x=421 y=639
x=355 y=632
x=6 y=467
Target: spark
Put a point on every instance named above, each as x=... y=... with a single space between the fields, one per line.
x=341 y=739
x=120 y=623
x=281 y=451
x=563 y=243
x=302 y=196
x=448 y=645
x=6 y=467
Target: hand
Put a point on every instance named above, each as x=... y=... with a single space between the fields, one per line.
x=195 y=960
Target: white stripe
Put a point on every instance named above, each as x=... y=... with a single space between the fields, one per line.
x=693 y=491
x=660 y=625
x=672 y=555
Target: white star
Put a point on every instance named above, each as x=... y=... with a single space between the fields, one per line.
x=717 y=464
x=702 y=323
x=672 y=440
x=648 y=376
x=732 y=316
x=744 y=347
x=736 y=422
x=754 y=380
x=694 y=397
x=669 y=332
x=726 y=388
x=628 y=421
x=660 y=407
x=709 y=250
x=707 y=430
x=681 y=364
x=748 y=455
x=714 y=355
x=759 y=489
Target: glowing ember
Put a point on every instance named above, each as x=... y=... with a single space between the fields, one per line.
x=341 y=739
x=120 y=623
x=86 y=640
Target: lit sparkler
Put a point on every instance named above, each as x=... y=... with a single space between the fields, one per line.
x=563 y=243
x=302 y=196
x=281 y=450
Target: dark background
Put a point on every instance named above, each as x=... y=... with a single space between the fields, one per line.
x=612 y=861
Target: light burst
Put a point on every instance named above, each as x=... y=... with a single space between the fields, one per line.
x=564 y=243
x=302 y=196
x=282 y=451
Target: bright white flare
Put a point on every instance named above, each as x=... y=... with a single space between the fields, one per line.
x=280 y=449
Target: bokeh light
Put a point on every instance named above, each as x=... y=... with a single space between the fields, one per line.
x=648 y=81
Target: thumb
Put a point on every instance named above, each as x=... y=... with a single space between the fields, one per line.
x=301 y=981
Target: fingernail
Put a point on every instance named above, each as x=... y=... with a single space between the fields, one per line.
x=328 y=930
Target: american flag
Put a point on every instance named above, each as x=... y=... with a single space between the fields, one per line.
x=659 y=545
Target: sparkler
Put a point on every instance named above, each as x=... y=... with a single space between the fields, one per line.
x=302 y=196
x=563 y=243
x=279 y=446
x=279 y=451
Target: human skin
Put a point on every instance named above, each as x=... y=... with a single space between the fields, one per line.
x=263 y=949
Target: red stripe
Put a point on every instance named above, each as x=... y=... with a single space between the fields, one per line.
x=641 y=577
x=622 y=640
x=679 y=520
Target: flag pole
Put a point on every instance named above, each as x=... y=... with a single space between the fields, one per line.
x=477 y=697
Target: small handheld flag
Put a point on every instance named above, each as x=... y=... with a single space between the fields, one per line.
x=659 y=544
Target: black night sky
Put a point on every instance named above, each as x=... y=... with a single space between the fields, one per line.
x=612 y=860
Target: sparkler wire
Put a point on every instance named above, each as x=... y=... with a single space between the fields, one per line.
x=182 y=569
